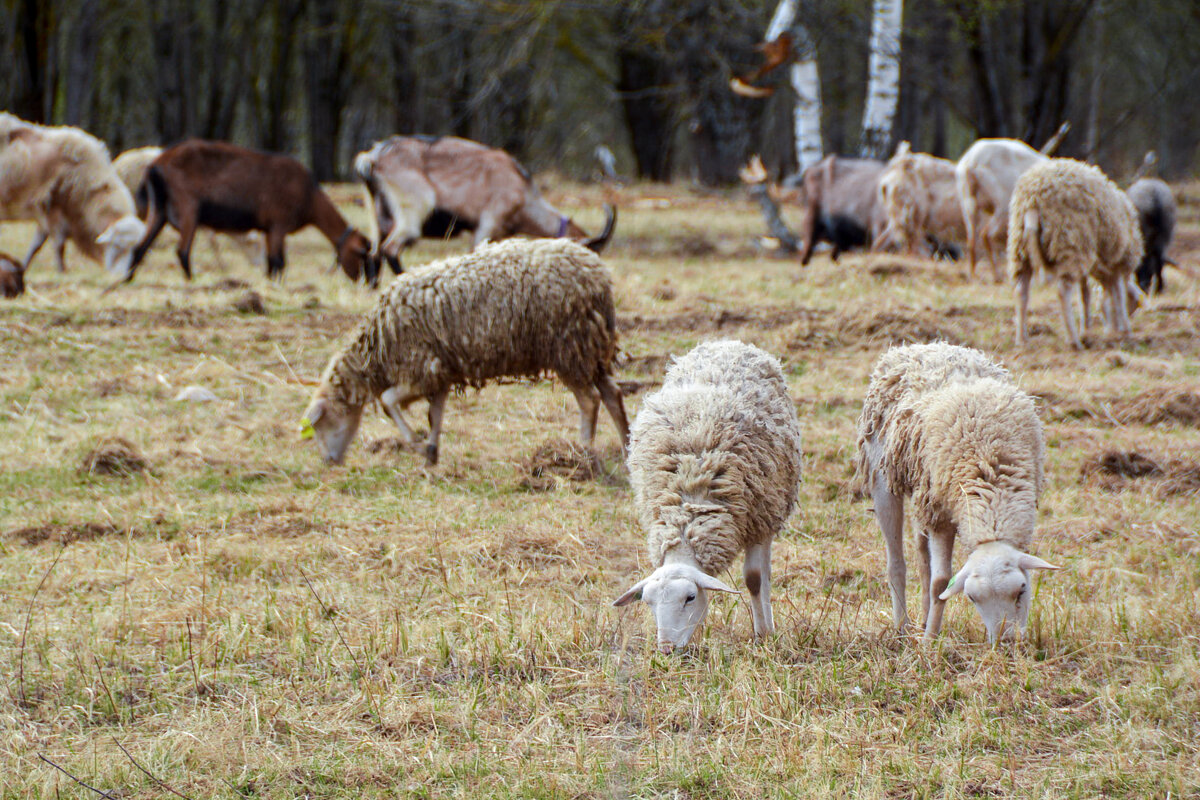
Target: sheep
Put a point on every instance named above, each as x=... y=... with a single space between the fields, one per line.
x=1156 y=215
x=1071 y=221
x=12 y=277
x=946 y=426
x=714 y=463
x=985 y=176
x=233 y=189
x=131 y=167
x=521 y=307
x=919 y=196
x=62 y=178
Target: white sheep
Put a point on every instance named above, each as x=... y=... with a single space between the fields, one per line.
x=714 y=462
x=519 y=308
x=62 y=178
x=919 y=195
x=947 y=427
x=1070 y=221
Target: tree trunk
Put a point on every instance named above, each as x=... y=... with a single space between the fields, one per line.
x=279 y=75
x=81 y=64
x=883 y=87
x=322 y=59
x=406 y=118
x=35 y=27
x=806 y=83
x=642 y=83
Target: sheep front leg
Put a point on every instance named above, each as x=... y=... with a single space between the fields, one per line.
x=392 y=405
x=589 y=409
x=39 y=238
x=757 y=572
x=941 y=546
x=889 y=512
x=610 y=394
x=437 y=405
x=1065 y=291
x=923 y=568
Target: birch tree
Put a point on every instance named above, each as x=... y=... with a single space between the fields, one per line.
x=883 y=82
x=805 y=80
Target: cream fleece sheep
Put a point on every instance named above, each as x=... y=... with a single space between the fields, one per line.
x=714 y=463
x=62 y=178
x=1070 y=220
x=518 y=308
x=919 y=195
x=947 y=427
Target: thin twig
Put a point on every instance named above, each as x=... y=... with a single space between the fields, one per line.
x=100 y=792
x=192 y=658
x=149 y=774
x=353 y=656
x=25 y=629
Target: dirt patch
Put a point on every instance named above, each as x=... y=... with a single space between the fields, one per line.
x=1117 y=470
x=1168 y=404
x=664 y=291
x=558 y=461
x=250 y=303
x=394 y=446
x=231 y=284
x=114 y=456
x=901 y=326
x=62 y=533
x=709 y=320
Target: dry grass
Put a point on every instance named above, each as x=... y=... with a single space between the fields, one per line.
x=457 y=638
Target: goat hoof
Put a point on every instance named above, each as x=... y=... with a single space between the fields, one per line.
x=431 y=455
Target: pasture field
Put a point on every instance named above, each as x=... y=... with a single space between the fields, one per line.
x=249 y=623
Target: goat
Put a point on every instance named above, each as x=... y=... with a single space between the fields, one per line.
x=233 y=189
x=437 y=187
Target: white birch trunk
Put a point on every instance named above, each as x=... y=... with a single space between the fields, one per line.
x=806 y=115
x=883 y=87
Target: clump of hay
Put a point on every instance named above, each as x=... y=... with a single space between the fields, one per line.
x=556 y=462
x=114 y=456
x=1124 y=464
x=664 y=291
x=1162 y=405
x=62 y=534
x=394 y=445
x=250 y=303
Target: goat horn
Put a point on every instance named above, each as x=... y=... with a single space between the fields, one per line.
x=596 y=243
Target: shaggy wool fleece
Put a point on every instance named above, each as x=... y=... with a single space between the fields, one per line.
x=959 y=438
x=1085 y=224
x=520 y=308
x=714 y=455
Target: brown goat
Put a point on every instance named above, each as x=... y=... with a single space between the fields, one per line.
x=438 y=186
x=232 y=189
x=12 y=277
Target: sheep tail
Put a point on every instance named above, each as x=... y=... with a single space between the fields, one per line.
x=1033 y=241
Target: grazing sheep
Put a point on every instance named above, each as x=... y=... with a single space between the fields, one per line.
x=714 y=462
x=1156 y=214
x=947 y=426
x=919 y=196
x=518 y=308
x=1071 y=221
x=12 y=277
x=234 y=189
x=62 y=178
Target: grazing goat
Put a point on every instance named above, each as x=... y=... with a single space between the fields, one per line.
x=233 y=189
x=841 y=204
x=1156 y=214
x=440 y=186
x=986 y=175
x=62 y=179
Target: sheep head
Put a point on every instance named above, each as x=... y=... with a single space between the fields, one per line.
x=119 y=241
x=996 y=579
x=676 y=596
x=332 y=424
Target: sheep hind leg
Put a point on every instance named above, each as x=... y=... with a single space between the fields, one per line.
x=923 y=568
x=889 y=512
x=437 y=405
x=610 y=394
x=1085 y=298
x=757 y=572
x=1021 y=289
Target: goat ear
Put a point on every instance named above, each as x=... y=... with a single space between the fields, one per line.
x=634 y=593
x=956 y=584
x=1027 y=561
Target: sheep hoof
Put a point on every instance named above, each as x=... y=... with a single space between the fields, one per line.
x=431 y=455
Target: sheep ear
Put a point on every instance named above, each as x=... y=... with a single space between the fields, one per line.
x=956 y=584
x=634 y=593
x=1027 y=561
x=714 y=584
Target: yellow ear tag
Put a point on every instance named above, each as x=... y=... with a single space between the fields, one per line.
x=306 y=429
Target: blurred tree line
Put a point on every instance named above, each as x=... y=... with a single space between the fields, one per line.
x=550 y=80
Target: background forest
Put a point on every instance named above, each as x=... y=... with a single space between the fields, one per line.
x=550 y=80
